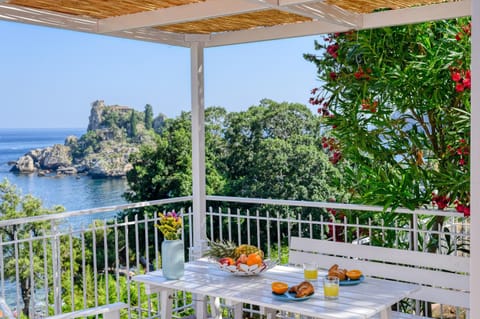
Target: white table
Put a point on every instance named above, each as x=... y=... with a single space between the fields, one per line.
x=372 y=297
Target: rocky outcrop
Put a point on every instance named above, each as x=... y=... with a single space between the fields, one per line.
x=110 y=161
x=25 y=164
x=102 y=152
x=56 y=156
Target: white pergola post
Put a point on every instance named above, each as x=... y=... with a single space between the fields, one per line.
x=198 y=150
x=475 y=165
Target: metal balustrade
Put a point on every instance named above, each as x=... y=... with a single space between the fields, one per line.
x=59 y=267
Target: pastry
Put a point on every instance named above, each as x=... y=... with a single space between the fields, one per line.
x=334 y=271
x=303 y=289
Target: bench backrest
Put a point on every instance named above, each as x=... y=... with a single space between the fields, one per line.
x=444 y=278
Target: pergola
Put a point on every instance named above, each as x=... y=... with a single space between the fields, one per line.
x=200 y=24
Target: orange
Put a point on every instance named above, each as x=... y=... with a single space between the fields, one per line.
x=279 y=287
x=254 y=259
x=354 y=274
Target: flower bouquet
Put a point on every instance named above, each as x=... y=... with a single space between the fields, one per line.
x=173 y=258
x=170 y=225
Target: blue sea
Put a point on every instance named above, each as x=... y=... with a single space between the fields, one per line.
x=72 y=192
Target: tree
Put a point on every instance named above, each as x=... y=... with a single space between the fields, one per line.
x=148 y=117
x=133 y=124
x=397 y=104
x=274 y=151
x=163 y=170
x=12 y=206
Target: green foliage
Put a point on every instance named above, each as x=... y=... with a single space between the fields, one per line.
x=397 y=103
x=274 y=151
x=87 y=144
x=163 y=170
x=148 y=117
x=18 y=260
x=133 y=125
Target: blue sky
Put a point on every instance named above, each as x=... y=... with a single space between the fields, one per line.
x=50 y=77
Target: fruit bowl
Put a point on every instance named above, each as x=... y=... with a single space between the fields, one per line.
x=246 y=270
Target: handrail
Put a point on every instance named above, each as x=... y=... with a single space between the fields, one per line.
x=277 y=202
x=447 y=213
x=25 y=220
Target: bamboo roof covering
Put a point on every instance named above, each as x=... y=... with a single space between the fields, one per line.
x=223 y=22
x=266 y=18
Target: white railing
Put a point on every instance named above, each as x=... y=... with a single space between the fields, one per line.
x=74 y=267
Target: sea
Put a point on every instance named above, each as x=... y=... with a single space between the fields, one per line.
x=71 y=192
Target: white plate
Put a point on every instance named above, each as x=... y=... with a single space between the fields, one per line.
x=291 y=296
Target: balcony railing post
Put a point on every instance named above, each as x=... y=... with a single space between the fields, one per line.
x=57 y=288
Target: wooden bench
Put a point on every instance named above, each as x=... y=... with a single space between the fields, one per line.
x=444 y=279
x=111 y=311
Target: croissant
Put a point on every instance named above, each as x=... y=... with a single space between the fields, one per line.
x=303 y=289
x=334 y=271
x=340 y=273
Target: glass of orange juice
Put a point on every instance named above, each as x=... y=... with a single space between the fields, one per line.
x=310 y=271
x=331 y=287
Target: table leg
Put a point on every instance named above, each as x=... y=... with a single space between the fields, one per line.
x=270 y=313
x=237 y=308
x=200 y=305
x=215 y=307
x=165 y=304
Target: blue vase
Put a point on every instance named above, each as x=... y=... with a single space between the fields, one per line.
x=173 y=259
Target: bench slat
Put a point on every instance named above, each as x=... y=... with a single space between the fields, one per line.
x=408 y=257
x=384 y=270
x=443 y=296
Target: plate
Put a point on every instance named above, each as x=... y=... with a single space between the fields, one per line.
x=245 y=270
x=350 y=282
x=291 y=296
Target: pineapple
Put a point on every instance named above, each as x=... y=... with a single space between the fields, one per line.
x=221 y=249
x=247 y=250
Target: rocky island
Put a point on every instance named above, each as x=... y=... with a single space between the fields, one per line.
x=114 y=132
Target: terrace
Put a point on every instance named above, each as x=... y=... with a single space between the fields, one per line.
x=110 y=252
x=199 y=25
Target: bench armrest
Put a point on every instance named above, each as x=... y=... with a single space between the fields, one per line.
x=111 y=311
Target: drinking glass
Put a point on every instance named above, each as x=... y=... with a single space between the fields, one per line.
x=310 y=271
x=331 y=287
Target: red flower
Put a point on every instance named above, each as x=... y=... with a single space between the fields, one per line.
x=333 y=75
x=456 y=76
x=459 y=87
x=463 y=209
x=336 y=157
x=440 y=200
x=332 y=50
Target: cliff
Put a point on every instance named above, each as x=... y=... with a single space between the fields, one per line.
x=114 y=132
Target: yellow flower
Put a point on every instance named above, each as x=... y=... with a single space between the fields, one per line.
x=170 y=225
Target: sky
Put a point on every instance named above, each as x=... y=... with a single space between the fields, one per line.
x=50 y=77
